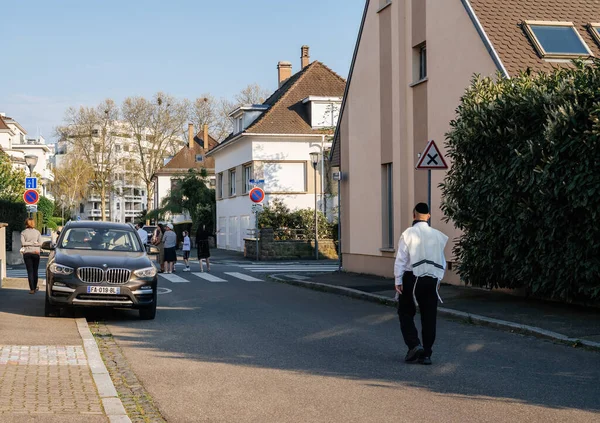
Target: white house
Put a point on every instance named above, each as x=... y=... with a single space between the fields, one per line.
x=272 y=142
x=192 y=156
x=12 y=133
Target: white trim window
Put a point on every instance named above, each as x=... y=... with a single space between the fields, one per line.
x=232 y=173
x=247 y=174
x=556 y=40
x=387 y=206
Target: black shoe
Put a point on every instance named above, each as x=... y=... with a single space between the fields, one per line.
x=414 y=354
x=425 y=360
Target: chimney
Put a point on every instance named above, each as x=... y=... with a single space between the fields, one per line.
x=190 y=135
x=284 y=72
x=205 y=137
x=304 y=57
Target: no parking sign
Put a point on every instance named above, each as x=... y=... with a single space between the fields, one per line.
x=257 y=195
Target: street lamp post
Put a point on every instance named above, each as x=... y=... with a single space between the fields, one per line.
x=314 y=159
x=31 y=160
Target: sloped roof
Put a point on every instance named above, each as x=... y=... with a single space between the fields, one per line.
x=501 y=21
x=287 y=114
x=3 y=124
x=185 y=158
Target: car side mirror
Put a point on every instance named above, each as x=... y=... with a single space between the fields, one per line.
x=47 y=245
x=152 y=249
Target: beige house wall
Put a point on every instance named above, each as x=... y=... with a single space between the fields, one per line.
x=419 y=113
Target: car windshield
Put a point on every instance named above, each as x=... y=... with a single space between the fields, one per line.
x=100 y=239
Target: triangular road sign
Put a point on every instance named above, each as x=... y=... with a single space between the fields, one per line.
x=432 y=158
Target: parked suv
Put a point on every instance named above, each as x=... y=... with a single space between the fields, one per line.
x=100 y=264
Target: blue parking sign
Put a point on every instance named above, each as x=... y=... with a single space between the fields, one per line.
x=30 y=183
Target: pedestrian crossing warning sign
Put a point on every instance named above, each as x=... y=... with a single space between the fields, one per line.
x=432 y=158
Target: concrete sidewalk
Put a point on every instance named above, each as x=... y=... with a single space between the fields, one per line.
x=50 y=368
x=575 y=325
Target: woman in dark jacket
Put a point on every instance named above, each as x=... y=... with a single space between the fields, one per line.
x=203 y=247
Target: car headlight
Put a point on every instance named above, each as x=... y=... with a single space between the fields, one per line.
x=59 y=269
x=148 y=272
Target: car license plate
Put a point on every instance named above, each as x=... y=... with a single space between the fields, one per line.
x=114 y=290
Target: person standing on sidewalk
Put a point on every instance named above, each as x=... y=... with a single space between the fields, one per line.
x=31 y=241
x=187 y=246
x=419 y=267
x=203 y=247
x=157 y=241
x=170 y=245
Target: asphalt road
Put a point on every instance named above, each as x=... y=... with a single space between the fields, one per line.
x=240 y=351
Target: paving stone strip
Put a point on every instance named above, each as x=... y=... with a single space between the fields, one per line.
x=136 y=400
x=46 y=380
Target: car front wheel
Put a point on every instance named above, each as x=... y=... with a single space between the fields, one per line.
x=49 y=309
x=148 y=313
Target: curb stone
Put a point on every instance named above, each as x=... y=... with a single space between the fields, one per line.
x=447 y=312
x=106 y=389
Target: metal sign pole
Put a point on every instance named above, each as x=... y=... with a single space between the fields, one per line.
x=256 y=233
x=429 y=194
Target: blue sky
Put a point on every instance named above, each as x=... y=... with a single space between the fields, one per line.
x=58 y=54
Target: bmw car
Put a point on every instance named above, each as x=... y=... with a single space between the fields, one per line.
x=100 y=264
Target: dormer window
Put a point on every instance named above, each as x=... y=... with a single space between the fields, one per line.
x=595 y=31
x=323 y=111
x=556 y=40
x=244 y=116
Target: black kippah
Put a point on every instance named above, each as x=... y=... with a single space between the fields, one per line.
x=422 y=208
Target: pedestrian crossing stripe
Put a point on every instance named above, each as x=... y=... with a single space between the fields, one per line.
x=298 y=277
x=305 y=269
x=208 y=277
x=174 y=278
x=243 y=277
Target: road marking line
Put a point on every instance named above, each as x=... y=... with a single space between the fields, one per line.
x=208 y=277
x=243 y=277
x=174 y=278
x=298 y=277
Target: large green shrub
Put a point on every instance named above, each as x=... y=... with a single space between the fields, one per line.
x=291 y=224
x=14 y=214
x=525 y=182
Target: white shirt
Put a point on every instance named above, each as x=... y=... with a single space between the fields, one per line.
x=186 y=244
x=143 y=235
x=430 y=250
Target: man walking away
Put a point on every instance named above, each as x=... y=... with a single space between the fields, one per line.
x=187 y=246
x=419 y=268
x=143 y=234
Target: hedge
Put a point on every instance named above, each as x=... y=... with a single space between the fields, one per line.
x=524 y=186
x=13 y=213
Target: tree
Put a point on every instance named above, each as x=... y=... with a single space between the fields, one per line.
x=191 y=195
x=11 y=180
x=71 y=182
x=90 y=132
x=524 y=182
x=156 y=127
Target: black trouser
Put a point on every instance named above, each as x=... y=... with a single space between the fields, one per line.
x=32 y=262
x=426 y=294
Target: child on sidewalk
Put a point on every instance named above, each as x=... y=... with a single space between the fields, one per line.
x=186 y=250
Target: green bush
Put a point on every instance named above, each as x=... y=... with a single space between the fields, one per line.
x=525 y=180
x=13 y=213
x=301 y=222
x=46 y=207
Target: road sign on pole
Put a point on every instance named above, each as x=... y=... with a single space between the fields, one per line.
x=31 y=183
x=431 y=158
x=257 y=195
x=31 y=196
x=31 y=209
